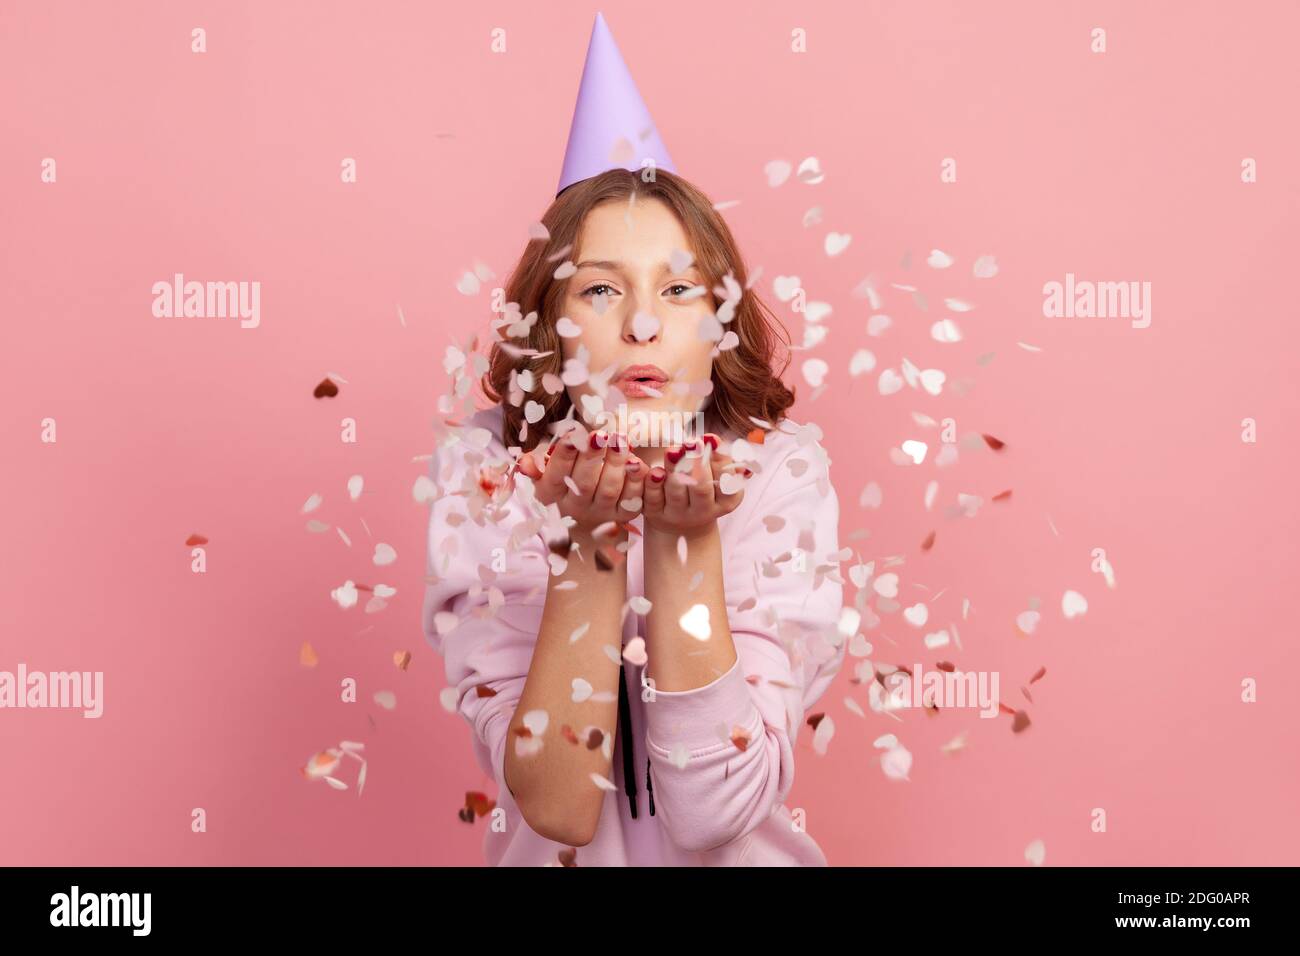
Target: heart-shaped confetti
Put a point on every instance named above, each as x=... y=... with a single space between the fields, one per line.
x=777 y=172
x=945 y=330
x=1027 y=621
x=634 y=652
x=886 y=585
x=695 y=622
x=837 y=242
x=1073 y=604
x=646 y=326
x=785 y=287
x=810 y=171
x=1036 y=852
x=814 y=371
x=862 y=361
x=536 y=721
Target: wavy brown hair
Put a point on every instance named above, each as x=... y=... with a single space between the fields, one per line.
x=746 y=379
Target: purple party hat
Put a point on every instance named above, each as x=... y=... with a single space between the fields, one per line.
x=611 y=128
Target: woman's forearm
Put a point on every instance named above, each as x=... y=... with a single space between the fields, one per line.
x=553 y=787
x=680 y=657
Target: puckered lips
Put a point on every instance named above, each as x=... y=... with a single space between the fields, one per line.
x=635 y=379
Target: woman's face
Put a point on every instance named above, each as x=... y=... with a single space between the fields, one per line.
x=629 y=300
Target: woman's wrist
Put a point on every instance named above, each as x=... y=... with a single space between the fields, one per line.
x=590 y=556
x=659 y=537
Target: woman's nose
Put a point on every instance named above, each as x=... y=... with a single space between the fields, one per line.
x=640 y=326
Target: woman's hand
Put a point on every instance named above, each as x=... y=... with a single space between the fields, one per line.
x=599 y=483
x=696 y=486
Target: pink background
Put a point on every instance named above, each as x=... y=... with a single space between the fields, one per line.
x=225 y=166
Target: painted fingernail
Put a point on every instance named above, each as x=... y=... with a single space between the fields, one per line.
x=596 y=440
x=691 y=445
x=674 y=455
x=748 y=473
x=712 y=439
x=633 y=466
x=657 y=474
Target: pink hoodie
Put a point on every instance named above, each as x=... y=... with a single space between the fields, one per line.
x=784 y=593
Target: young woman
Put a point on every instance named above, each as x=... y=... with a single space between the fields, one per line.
x=636 y=627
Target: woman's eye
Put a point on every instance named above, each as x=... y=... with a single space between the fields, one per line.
x=599 y=285
x=685 y=288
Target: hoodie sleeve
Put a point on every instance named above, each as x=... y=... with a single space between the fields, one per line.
x=484 y=596
x=723 y=754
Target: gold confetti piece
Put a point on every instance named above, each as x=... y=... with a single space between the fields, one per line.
x=402 y=659
x=307 y=655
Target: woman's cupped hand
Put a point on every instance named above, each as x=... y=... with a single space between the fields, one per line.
x=594 y=478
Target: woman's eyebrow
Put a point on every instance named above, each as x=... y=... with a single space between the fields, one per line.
x=664 y=266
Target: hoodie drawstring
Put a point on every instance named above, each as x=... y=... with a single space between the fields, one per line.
x=625 y=731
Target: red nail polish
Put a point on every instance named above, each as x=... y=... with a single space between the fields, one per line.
x=634 y=466
x=712 y=439
x=674 y=455
x=691 y=445
x=595 y=441
x=657 y=474
x=748 y=473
